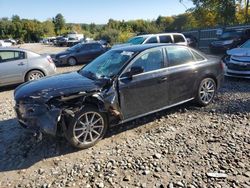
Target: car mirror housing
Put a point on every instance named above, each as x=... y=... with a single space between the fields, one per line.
x=133 y=71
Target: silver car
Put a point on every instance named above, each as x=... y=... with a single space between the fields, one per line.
x=237 y=61
x=19 y=65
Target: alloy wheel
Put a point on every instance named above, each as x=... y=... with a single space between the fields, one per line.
x=72 y=61
x=88 y=128
x=207 y=90
x=35 y=75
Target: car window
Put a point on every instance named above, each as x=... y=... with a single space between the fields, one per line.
x=136 y=40
x=178 y=55
x=152 y=40
x=197 y=56
x=96 y=47
x=178 y=38
x=150 y=61
x=6 y=56
x=229 y=35
x=165 y=39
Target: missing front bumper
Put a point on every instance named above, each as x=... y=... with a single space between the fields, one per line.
x=38 y=118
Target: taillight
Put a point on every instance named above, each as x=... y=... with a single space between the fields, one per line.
x=49 y=59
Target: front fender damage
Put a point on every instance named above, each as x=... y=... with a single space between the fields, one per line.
x=51 y=115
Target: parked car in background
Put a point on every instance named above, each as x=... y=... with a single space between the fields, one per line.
x=5 y=44
x=237 y=61
x=191 y=40
x=80 y=53
x=121 y=85
x=228 y=40
x=12 y=41
x=60 y=41
x=19 y=65
x=176 y=38
x=73 y=41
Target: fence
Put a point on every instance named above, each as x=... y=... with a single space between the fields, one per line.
x=206 y=36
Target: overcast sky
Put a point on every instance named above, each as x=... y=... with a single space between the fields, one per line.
x=92 y=11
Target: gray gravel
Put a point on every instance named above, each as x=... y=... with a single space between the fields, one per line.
x=185 y=146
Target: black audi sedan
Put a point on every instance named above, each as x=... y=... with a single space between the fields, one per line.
x=121 y=85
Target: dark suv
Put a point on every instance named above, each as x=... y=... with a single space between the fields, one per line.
x=80 y=53
x=121 y=85
x=229 y=39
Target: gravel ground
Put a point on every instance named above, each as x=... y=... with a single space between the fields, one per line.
x=185 y=146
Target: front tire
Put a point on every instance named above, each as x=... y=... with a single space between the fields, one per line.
x=206 y=92
x=86 y=128
x=72 y=61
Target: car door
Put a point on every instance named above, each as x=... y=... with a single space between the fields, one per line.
x=13 y=65
x=147 y=91
x=95 y=50
x=89 y=52
x=81 y=53
x=182 y=73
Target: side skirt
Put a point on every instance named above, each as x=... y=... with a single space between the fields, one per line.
x=151 y=112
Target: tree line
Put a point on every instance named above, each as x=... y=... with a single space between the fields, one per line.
x=206 y=13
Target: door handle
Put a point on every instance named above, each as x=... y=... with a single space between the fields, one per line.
x=20 y=64
x=163 y=79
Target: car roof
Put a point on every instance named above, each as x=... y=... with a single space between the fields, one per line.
x=141 y=47
x=158 y=34
x=13 y=48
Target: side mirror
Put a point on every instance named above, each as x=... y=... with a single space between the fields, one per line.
x=136 y=70
x=133 y=71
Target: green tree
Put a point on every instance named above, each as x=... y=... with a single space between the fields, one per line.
x=224 y=10
x=59 y=23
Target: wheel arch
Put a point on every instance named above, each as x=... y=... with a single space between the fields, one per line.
x=34 y=69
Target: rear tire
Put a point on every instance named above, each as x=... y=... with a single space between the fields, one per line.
x=87 y=128
x=34 y=75
x=205 y=92
x=72 y=61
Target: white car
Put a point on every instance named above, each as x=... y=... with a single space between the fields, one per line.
x=167 y=38
x=5 y=44
x=237 y=61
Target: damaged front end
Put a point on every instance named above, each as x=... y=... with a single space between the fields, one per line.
x=50 y=111
x=38 y=117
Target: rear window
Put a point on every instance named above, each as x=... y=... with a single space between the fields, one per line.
x=197 y=56
x=165 y=39
x=178 y=55
x=178 y=38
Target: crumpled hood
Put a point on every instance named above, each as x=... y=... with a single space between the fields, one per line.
x=243 y=52
x=58 y=85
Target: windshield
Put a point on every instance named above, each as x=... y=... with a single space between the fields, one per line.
x=229 y=35
x=136 y=40
x=75 y=47
x=246 y=44
x=107 y=65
